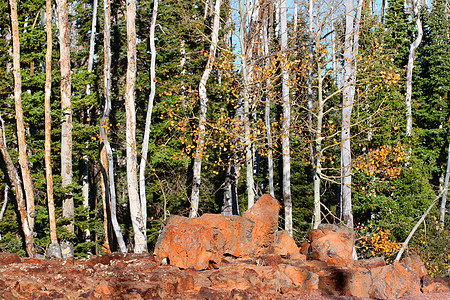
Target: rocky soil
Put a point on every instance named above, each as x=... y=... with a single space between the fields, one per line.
x=140 y=276
x=225 y=257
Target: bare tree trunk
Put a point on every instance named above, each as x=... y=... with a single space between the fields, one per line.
x=265 y=38
x=318 y=142
x=443 y=208
x=409 y=70
x=16 y=183
x=5 y=202
x=405 y=243
x=66 y=127
x=348 y=98
x=148 y=119
x=85 y=158
x=140 y=235
x=54 y=249
x=23 y=158
x=246 y=95
x=109 y=184
x=203 y=109
x=288 y=226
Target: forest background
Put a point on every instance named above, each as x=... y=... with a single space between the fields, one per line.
x=190 y=107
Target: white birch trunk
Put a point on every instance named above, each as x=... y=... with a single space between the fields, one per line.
x=140 y=235
x=318 y=144
x=109 y=185
x=148 y=119
x=347 y=106
x=5 y=202
x=409 y=69
x=288 y=226
x=245 y=48
x=265 y=39
x=443 y=207
x=195 y=197
x=85 y=159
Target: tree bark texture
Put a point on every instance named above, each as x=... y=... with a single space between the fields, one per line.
x=66 y=108
x=409 y=69
x=287 y=197
x=443 y=207
x=23 y=158
x=148 y=120
x=16 y=183
x=140 y=235
x=107 y=156
x=347 y=106
x=245 y=48
x=195 y=197
x=265 y=38
x=48 y=125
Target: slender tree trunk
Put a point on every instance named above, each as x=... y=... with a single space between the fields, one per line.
x=16 y=183
x=54 y=249
x=425 y=214
x=5 y=202
x=348 y=98
x=148 y=119
x=23 y=158
x=286 y=122
x=85 y=158
x=203 y=109
x=66 y=127
x=140 y=235
x=246 y=95
x=265 y=39
x=443 y=208
x=108 y=161
x=409 y=70
x=318 y=142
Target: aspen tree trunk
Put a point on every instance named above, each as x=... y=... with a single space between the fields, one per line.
x=66 y=127
x=231 y=205
x=409 y=70
x=442 y=209
x=107 y=156
x=203 y=109
x=5 y=202
x=348 y=98
x=85 y=158
x=140 y=235
x=16 y=183
x=318 y=142
x=265 y=38
x=246 y=120
x=54 y=249
x=23 y=158
x=148 y=119
x=286 y=122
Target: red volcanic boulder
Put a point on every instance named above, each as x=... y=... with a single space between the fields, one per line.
x=201 y=242
x=264 y=214
x=284 y=245
x=236 y=230
x=332 y=244
x=188 y=244
x=394 y=281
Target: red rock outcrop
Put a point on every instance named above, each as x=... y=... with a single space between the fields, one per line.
x=187 y=244
x=260 y=263
x=332 y=244
x=201 y=242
